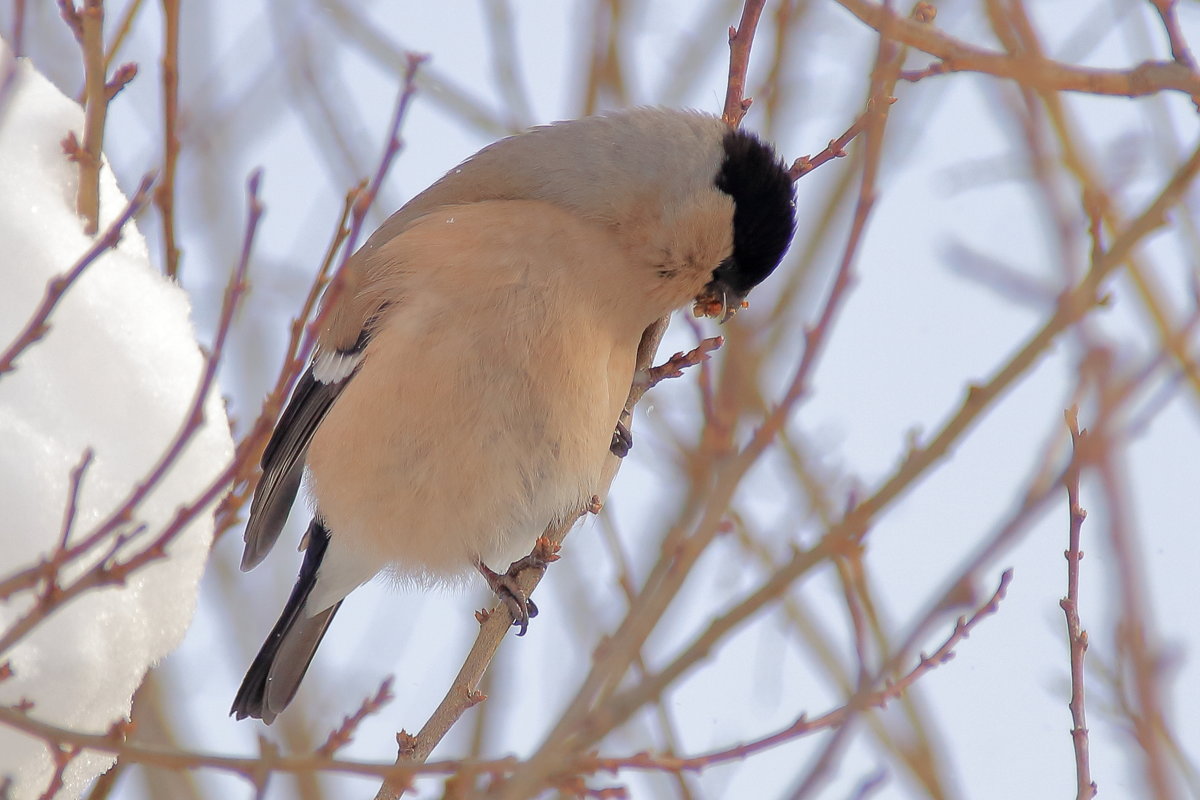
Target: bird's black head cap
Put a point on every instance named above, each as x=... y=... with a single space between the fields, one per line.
x=764 y=211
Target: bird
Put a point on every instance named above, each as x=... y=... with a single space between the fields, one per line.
x=468 y=381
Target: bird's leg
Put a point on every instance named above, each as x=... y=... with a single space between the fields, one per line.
x=520 y=607
x=622 y=440
x=646 y=379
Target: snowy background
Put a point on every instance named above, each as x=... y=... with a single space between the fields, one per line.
x=304 y=90
x=114 y=376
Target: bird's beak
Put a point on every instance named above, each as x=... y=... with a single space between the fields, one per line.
x=717 y=301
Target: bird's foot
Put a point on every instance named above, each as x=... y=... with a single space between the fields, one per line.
x=622 y=441
x=520 y=607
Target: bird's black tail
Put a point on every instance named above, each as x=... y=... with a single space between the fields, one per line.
x=275 y=675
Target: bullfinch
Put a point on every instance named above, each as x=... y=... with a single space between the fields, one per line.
x=468 y=384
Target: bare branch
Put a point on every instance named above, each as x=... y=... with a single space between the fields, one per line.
x=62 y=757
x=18 y=50
x=345 y=732
x=120 y=79
x=250 y=447
x=363 y=201
x=875 y=693
x=463 y=694
x=90 y=32
x=1167 y=12
x=269 y=761
x=38 y=324
x=123 y=27
x=836 y=149
x=112 y=534
x=1077 y=638
x=741 y=39
x=164 y=196
x=1150 y=77
x=1138 y=648
x=306 y=327
x=73 y=499
x=668 y=575
x=676 y=364
x=1072 y=306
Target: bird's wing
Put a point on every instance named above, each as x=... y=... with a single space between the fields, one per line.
x=365 y=295
x=273 y=678
x=283 y=459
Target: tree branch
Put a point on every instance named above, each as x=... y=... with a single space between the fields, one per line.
x=1149 y=77
x=1077 y=638
x=38 y=324
x=164 y=195
x=741 y=39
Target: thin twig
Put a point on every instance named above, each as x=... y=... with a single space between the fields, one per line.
x=836 y=149
x=1021 y=37
x=375 y=42
x=662 y=708
x=251 y=446
x=121 y=32
x=89 y=155
x=164 y=195
x=1077 y=638
x=64 y=537
x=605 y=39
x=339 y=738
x=1138 y=648
x=267 y=762
x=122 y=75
x=38 y=324
x=922 y=13
x=741 y=39
x=362 y=204
x=870 y=784
x=463 y=693
x=18 y=32
x=270 y=761
x=1149 y=77
x=1073 y=306
x=506 y=62
x=62 y=756
x=108 y=571
x=876 y=693
x=306 y=326
x=674 y=366
x=680 y=552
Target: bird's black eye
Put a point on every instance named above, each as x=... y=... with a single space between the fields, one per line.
x=764 y=210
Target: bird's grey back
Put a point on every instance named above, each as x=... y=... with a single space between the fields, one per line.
x=600 y=167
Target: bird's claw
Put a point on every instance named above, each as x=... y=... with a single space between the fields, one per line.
x=622 y=440
x=521 y=607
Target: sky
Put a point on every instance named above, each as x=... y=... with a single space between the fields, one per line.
x=261 y=83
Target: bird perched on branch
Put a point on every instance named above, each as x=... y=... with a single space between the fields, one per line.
x=476 y=359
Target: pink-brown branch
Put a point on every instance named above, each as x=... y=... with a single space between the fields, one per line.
x=112 y=534
x=38 y=324
x=1077 y=638
x=741 y=39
